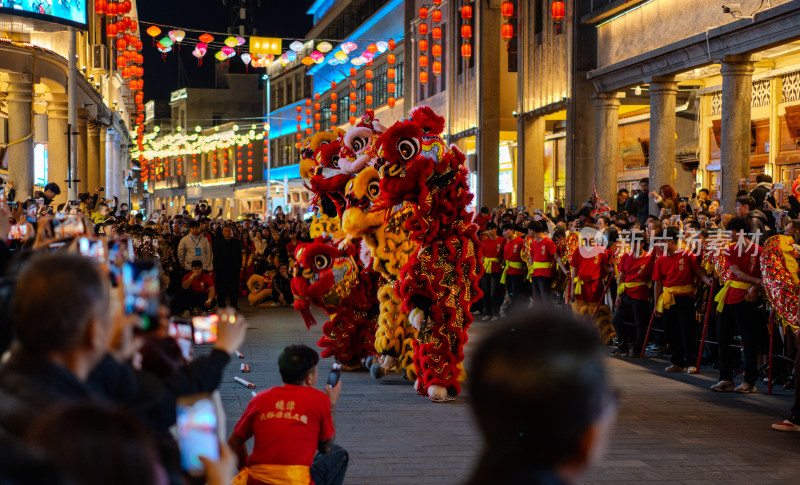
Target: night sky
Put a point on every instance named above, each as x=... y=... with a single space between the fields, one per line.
x=273 y=19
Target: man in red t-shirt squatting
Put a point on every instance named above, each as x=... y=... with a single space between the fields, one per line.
x=198 y=288
x=293 y=428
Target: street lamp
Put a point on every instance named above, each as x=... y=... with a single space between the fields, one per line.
x=145 y=196
x=129 y=182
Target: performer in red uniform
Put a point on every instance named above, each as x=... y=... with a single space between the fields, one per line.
x=490 y=281
x=541 y=254
x=736 y=308
x=589 y=265
x=514 y=269
x=633 y=299
x=674 y=275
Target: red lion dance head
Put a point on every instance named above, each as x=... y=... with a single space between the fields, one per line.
x=328 y=181
x=359 y=148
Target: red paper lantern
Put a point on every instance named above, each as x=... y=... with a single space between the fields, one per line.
x=299 y=127
x=353 y=71
x=317 y=126
x=391 y=102
x=423 y=29
x=352 y=108
x=466 y=50
x=111 y=30
x=353 y=83
x=299 y=118
x=308 y=121
x=392 y=44
x=368 y=100
x=390 y=59
x=466 y=12
x=308 y=111
x=423 y=77
x=368 y=74
x=423 y=45
x=423 y=61
x=334 y=96
x=316 y=96
x=352 y=96
x=436 y=50
x=334 y=119
x=334 y=107
x=507 y=32
x=423 y=12
x=436 y=33
x=390 y=87
x=391 y=73
x=317 y=106
x=308 y=102
x=368 y=87
x=100 y=7
x=436 y=68
x=308 y=131
x=353 y=120
x=558 y=11
x=299 y=108
x=507 y=9
x=111 y=9
x=316 y=116
x=466 y=31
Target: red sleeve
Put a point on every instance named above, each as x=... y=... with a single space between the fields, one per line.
x=186 y=276
x=244 y=428
x=576 y=259
x=326 y=430
x=551 y=246
x=694 y=262
x=657 y=271
x=208 y=281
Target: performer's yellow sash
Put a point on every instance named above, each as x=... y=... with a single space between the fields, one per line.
x=275 y=474
x=538 y=265
x=667 y=298
x=578 y=285
x=624 y=286
x=487 y=264
x=720 y=298
x=509 y=264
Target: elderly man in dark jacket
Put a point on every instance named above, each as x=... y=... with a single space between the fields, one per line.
x=227 y=266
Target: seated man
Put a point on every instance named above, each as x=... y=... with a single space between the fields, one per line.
x=291 y=424
x=282 y=285
x=550 y=426
x=198 y=289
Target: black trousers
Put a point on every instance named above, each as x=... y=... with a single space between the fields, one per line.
x=681 y=327
x=796 y=407
x=490 y=286
x=632 y=311
x=228 y=289
x=541 y=289
x=514 y=284
x=738 y=319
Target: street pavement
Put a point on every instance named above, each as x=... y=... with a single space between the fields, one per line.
x=670 y=428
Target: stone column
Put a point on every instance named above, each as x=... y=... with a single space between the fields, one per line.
x=115 y=169
x=93 y=156
x=102 y=140
x=737 y=98
x=663 y=93
x=57 y=153
x=606 y=149
x=20 y=154
x=109 y=183
x=488 y=138
x=82 y=175
x=533 y=161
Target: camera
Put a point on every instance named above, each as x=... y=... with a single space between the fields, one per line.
x=733 y=9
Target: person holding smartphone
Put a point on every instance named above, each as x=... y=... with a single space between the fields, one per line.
x=293 y=427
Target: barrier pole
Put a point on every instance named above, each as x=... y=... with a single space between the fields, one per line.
x=705 y=328
x=771 y=349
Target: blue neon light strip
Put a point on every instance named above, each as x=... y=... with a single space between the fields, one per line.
x=290 y=171
x=283 y=121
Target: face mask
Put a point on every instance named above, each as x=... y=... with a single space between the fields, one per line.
x=185 y=230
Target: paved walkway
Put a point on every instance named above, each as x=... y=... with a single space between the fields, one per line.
x=670 y=429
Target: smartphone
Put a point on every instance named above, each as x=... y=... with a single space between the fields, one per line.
x=778 y=186
x=119 y=252
x=67 y=226
x=333 y=377
x=74 y=203
x=205 y=329
x=198 y=433
x=141 y=286
x=31 y=211
x=668 y=211
x=12 y=206
x=94 y=249
x=709 y=224
x=182 y=332
x=683 y=199
x=18 y=232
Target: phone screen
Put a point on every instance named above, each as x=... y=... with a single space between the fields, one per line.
x=65 y=227
x=120 y=251
x=141 y=288
x=205 y=329
x=31 y=211
x=92 y=249
x=18 y=232
x=183 y=334
x=197 y=432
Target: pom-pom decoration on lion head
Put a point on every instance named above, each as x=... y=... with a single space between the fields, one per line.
x=359 y=145
x=330 y=278
x=319 y=167
x=779 y=273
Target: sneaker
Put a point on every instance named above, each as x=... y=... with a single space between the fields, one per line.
x=745 y=388
x=790 y=424
x=691 y=369
x=495 y=318
x=723 y=386
x=476 y=312
x=675 y=368
x=618 y=353
x=486 y=318
x=632 y=353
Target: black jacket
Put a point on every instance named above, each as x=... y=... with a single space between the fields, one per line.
x=227 y=256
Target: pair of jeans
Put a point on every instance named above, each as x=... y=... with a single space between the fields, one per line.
x=329 y=468
x=514 y=284
x=681 y=327
x=738 y=319
x=490 y=286
x=633 y=311
x=541 y=289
